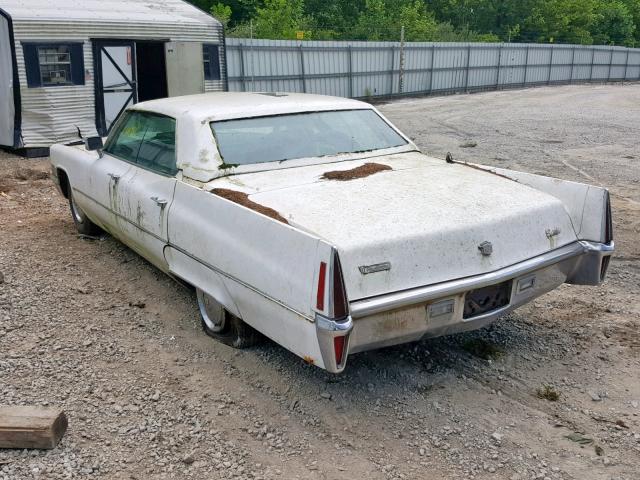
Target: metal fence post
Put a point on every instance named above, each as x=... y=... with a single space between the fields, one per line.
x=401 y=74
x=626 y=66
x=466 y=78
x=526 y=66
x=433 y=54
x=610 y=65
x=573 y=58
x=304 y=81
x=243 y=80
x=593 y=57
x=350 y=71
x=393 y=64
x=550 y=65
x=498 y=69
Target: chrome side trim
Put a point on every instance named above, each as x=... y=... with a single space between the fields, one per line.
x=197 y=259
x=406 y=298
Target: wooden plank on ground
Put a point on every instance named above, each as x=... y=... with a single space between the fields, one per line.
x=31 y=427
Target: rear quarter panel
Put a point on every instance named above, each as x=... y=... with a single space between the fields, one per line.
x=259 y=268
x=585 y=204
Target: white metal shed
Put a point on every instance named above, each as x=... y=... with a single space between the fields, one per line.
x=74 y=65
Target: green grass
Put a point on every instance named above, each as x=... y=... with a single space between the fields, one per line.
x=547 y=392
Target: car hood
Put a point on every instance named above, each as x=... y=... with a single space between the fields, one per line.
x=423 y=218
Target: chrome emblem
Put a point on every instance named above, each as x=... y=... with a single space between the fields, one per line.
x=486 y=248
x=379 y=267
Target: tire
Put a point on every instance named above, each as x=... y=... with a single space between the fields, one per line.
x=222 y=325
x=80 y=219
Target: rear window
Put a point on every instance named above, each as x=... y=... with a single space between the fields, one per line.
x=301 y=135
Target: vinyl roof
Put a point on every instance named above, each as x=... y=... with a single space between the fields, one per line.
x=229 y=105
x=134 y=11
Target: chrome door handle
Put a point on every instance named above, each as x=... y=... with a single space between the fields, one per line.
x=115 y=177
x=161 y=202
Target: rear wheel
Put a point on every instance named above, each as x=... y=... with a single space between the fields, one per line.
x=222 y=325
x=80 y=219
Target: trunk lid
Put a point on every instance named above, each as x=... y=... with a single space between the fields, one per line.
x=425 y=219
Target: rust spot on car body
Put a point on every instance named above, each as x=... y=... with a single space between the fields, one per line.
x=242 y=198
x=359 y=172
x=308 y=360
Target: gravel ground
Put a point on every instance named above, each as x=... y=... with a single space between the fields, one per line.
x=91 y=327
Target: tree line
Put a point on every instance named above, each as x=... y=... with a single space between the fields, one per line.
x=587 y=22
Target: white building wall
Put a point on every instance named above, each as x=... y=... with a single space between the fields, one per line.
x=53 y=114
x=6 y=85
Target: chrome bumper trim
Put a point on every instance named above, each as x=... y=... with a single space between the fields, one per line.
x=327 y=330
x=586 y=273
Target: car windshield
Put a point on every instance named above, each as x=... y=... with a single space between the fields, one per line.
x=301 y=135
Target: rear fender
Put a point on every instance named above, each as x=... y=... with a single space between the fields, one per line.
x=587 y=205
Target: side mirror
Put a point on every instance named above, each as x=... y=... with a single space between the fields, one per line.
x=93 y=143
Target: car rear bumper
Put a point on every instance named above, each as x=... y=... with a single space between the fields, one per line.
x=438 y=309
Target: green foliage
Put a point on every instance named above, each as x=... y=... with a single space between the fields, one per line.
x=615 y=22
x=221 y=12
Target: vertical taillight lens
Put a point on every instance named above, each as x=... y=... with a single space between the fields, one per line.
x=322 y=281
x=608 y=229
x=339 y=293
x=331 y=281
x=338 y=348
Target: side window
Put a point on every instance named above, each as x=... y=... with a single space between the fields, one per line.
x=146 y=139
x=53 y=64
x=211 y=58
x=125 y=139
x=158 y=148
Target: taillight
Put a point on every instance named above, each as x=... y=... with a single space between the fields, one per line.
x=330 y=280
x=338 y=348
x=608 y=229
x=322 y=280
x=339 y=294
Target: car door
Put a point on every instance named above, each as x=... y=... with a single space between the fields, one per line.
x=142 y=194
x=105 y=173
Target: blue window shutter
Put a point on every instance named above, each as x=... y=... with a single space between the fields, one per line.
x=32 y=65
x=77 y=64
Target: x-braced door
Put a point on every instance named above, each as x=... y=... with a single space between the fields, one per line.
x=115 y=80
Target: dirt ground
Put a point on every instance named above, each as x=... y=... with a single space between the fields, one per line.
x=91 y=327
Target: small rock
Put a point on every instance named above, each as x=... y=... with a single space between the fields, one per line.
x=326 y=395
x=155 y=397
x=189 y=459
x=595 y=397
x=497 y=436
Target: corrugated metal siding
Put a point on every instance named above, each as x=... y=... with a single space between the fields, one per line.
x=6 y=85
x=51 y=114
x=362 y=69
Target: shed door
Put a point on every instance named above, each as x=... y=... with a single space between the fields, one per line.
x=185 y=68
x=115 y=81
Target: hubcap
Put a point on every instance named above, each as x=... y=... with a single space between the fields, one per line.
x=213 y=313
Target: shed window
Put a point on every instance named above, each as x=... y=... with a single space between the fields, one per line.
x=211 y=57
x=53 y=64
